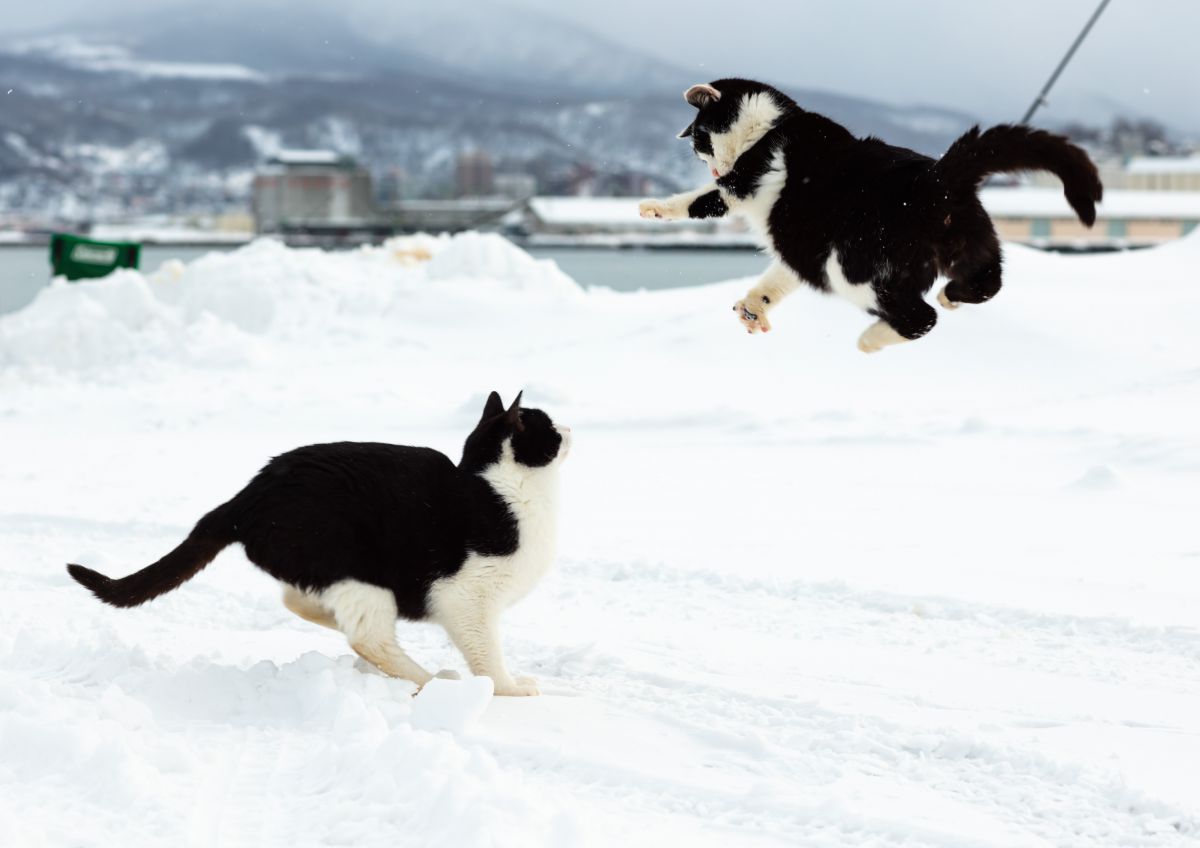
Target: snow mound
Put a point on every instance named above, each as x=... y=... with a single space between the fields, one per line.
x=218 y=310
x=105 y=323
x=108 y=729
x=1097 y=478
x=488 y=256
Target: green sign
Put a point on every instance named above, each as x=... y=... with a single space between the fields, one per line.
x=78 y=258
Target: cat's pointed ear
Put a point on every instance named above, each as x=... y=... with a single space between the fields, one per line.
x=687 y=131
x=514 y=414
x=701 y=94
x=493 y=407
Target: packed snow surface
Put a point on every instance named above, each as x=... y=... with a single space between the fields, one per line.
x=945 y=595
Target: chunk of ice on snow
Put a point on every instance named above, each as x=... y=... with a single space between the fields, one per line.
x=452 y=705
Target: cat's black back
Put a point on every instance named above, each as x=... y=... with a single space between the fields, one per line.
x=389 y=515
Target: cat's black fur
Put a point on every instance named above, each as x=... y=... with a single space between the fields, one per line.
x=896 y=218
x=390 y=516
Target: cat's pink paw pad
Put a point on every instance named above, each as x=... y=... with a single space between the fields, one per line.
x=753 y=315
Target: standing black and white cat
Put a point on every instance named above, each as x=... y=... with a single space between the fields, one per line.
x=859 y=218
x=360 y=534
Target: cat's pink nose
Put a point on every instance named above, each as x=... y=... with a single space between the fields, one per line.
x=716 y=173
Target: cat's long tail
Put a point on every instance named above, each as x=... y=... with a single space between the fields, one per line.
x=1012 y=147
x=208 y=538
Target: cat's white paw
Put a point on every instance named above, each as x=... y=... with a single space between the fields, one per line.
x=519 y=688
x=752 y=312
x=654 y=209
x=879 y=335
x=526 y=680
x=868 y=345
x=448 y=674
x=945 y=301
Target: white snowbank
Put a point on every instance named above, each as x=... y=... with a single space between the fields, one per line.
x=212 y=311
x=945 y=595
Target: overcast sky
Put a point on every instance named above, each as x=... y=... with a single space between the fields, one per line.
x=986 y=57
x=983 y=56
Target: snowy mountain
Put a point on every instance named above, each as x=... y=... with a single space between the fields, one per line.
x=173 y=108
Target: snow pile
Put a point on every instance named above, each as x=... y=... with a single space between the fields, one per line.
x=477 y=257
x=215 y=311
x=90 y=731
x=945 y=595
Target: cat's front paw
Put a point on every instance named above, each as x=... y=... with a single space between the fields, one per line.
x=519 y=687
x=752 y=312
x=654 y=209
x=945 y=301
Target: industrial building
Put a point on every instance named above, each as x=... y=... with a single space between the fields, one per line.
x=313 y=192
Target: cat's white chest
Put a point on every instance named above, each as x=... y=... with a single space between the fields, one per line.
x=756 y=208
x=499 y=581
x=515 y=575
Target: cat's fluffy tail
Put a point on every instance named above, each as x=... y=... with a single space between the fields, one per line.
x=1012 y=147
x=210 y=536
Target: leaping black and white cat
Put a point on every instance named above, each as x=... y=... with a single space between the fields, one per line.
x=360 y=534
x=859 y=218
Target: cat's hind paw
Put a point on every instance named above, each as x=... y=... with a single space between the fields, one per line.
x=879 y=335
x=752 y=313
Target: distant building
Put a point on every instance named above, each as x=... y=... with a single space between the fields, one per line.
x=1163 y=173
x=1139 y=173
x=390 y=187
x=451 y=216
x=1127 y=218
x=515 y=186
x=473 y=175
x=311 y=190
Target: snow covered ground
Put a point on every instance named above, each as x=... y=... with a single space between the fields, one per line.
x=944 y=595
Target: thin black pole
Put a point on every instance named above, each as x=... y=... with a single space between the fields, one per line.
x=1040 y=100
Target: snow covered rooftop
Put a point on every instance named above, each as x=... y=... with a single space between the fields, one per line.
x=1118 y=203
x=1164 y=165
x=308 y=157
x=587 y=211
